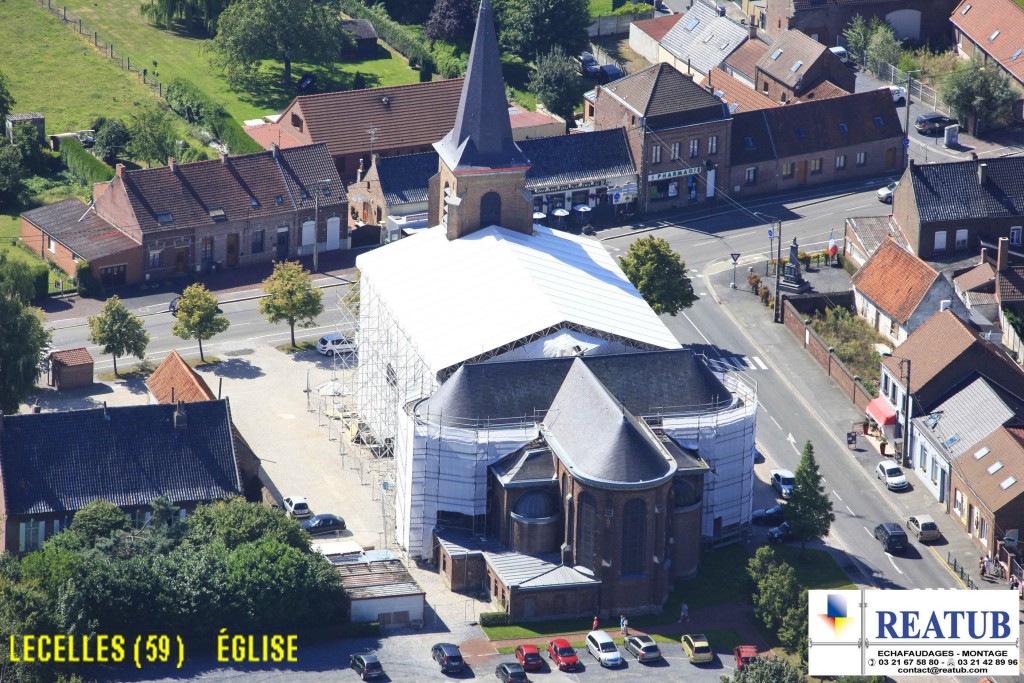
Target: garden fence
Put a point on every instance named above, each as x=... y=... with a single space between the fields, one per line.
x=919 y=92
x=107 y=49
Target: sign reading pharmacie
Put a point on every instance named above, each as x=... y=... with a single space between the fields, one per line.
x=912 y=633
x=693 y=170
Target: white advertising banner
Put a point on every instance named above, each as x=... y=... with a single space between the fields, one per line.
x=912 y=632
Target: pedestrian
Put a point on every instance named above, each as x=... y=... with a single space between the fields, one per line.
x=625 y=626
x=988 y=566
x=684 y=613
x=622 y=624
x=594 y=627
x=981 y=567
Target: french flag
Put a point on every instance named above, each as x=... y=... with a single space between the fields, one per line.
x=832 y=248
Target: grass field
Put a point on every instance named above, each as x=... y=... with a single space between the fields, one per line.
x=600 y=8
x=51 y=70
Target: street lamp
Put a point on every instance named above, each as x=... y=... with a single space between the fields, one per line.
x=906 y=126
x=320 y=184
x=778 y=262
x=907 y=405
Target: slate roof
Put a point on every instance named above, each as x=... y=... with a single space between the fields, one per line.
x=703 y=37
x=657 y=27
x=248 y=186
x=71 y=357
x=951 y=192
x=102 y=455
x=796 y=47
x=736 y=94
x=482 y=135
x=361 y=29
x=744 y=58
x=997 y=26
x=174 y=377
x=981 y=276
x=945 y=353
x=895 y=281
x=403 y=179
x=664 y=96
x=1005 y=458
x=75 y=224
x=968 y=416
x=598 y=439
x=872 y=231
x=527 y=466
x=645 y=383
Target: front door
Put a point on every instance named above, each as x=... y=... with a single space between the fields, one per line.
x=801 y=172
x=180 y=260
x=282 y=244
x=232 y=257
x=333 y=233
x=113 y=276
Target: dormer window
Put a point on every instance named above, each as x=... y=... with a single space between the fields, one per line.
x=279 y=200
x=164 y=218
x=748 y=143
x=217 y=214
x=843 y=128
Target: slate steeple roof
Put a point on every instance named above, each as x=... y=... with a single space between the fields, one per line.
x=482 y=136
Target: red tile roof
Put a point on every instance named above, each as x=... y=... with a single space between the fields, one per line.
x=71 y=357
x=895 y=280
x=997 y=27
x=995 y=488
x=174 y=377
x=657 y=27
x=981 y=275
x=744 y=58
x=736 y=92
x=822 y=91
x=267 y=134
x=1010 y=284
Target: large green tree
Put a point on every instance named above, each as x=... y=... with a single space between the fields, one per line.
x=767 y=670
x=531 y=28
x=23 y=337
x=12 y=170
x=197 y=15
x=152 y=137
x=773 y=595
x=198 y=316
x=858 y=34
x=235 y=522
x=809 y=512
x=883 y=46
x=659 y=274
x=291 y=297
x=112 y=140
x=119 y=331
x=556 y=83
x=793 y=629
x=250 y=31
x=24 y=608
x=980 y=93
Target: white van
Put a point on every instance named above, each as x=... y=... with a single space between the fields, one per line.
x=602 y=647
x=841 y=53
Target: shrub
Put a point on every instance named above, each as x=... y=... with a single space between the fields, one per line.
x=237 y=140
x=191 y=104
x=390 y=31
x=88 y=285
x=636 y=10
x=82 y=164
x=40 y=281
x=488 y=619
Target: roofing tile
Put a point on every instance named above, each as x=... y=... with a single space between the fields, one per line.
x=996 y=478
x=657 y=27
x=703 y=37
x=663 y=95
x=953 y=191
x=129 y=455
x=361 y=29
x=982 y=275
x=791 y=47
x=872 y=231
x=895 y=281
x=822 y=91
x=1010 y=284
x=736 y=94
x=744 y=58
x=175 y=378
x=75 y=224
x=70 y=357
x=968 y=416
x=997 y=26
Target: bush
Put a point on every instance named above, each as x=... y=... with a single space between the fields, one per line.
x=191 y=104
x=82 y=164
x=88 y=285
x=390 y=31
x=237 y=140
x=40 y=281
x=488 y=619
x=630 y=9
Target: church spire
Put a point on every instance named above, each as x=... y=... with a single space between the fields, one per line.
x=482 y=136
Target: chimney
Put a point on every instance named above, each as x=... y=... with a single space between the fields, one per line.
x=180 y=419
x=224 y=158
x=945 y=304
x=566 y=554
x=1003 y=255
x=360 y=171
x=105 y=415
x=911 y=161
x=273 y=149
x=752 y=28
x=721 y=10
x=984 y=255
x=119 y=169
x=172 y=164
x=982 y=173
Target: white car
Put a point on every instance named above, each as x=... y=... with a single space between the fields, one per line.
x=296 y=506
x=891 y=475
x=335 y=342
x=899 y=93
x=885 y=193
x=782 y=481
x=601 y=646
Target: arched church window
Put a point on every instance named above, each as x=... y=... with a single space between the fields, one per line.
x=587 y=530
x=490 y=209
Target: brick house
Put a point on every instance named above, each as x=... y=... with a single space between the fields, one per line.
x=993 y=32
x=917 y=20
x=228 y=212
x=70 y=230
x=795 y=64
x=678 y=132
x=129 y=455
x=816 y=142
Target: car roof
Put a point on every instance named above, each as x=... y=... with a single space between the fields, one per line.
x=325 y=515
x=528 y=647
x=923 y=518
x=646 y=640
x=513 y=666
x=560 y=642
x=296 y=499
x=783 y=473
x=892 y=527
x=368 y=658
x=447 y=646
x=746 y=649
x=697 y=638
x=887 y=463
x=932 y=115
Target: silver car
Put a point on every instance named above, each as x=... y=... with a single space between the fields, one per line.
x=924 y=527
x=643 y=648
x=885 y=193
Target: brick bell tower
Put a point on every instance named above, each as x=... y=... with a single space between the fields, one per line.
x=481 y=177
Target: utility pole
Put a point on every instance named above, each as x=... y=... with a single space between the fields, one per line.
x=906 y=125
x=778 y=278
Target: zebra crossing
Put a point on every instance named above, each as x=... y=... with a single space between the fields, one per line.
x=736 y=363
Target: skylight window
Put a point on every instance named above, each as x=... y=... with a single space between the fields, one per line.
x=255 y=203
x=217 y=214
x=1016 y=54
x=733 y=107
x=995 y=34
x=164 y=218
x=326 y=191
x=1007 y=483
x=843 y=128
x=305 y=195
x=776 y=54
x=995 y=467
x=934 y=420
x=799 y=133
x=965 y=10
x=879 y=122
x=708 y=37
x=719 y=94
x=279 y=200
x=951 y=440
x=796 y=66
x=723 y=45
x=748 y=143
x=692 y=24
x=981 y=452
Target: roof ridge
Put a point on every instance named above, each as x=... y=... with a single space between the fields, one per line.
x=379 y=88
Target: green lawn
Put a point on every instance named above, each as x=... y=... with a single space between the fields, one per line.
x=51 y=70
x=601 y=8
x=817 y=571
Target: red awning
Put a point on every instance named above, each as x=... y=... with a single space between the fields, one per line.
x=881 y=412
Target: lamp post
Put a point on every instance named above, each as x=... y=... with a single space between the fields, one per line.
x=320 y=184
x=906 y=126
x=778 y=262
x=907 y=407
x=771 y=236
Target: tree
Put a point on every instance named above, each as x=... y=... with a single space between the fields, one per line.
x=235 y=522
x=250 y=31
x=659 y=274
x=979 y=93
x=858 y=35
x=883 y=47
x=767 y=670
x=26 y=139
x=99 y=519
x=773 y=595
x=11 y=171
x=152 y=138
x=809 y=512
x=23 y=338
x=111 y=140
x=198 y=317
x=452 y=20
x=531 y=28
x=6 y=98
x=793 y=629
x=119 y=331
x=556 y=83
x=291 y=297
x=24 y=608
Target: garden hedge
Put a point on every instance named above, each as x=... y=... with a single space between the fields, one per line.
x=82 y=163
x=488 y=619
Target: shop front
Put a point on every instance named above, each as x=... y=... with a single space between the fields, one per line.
x=673 y=188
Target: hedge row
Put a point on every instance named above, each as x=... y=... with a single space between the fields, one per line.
x=191 y=104
x=488 y=619
x=230 y=133
x=83 y=164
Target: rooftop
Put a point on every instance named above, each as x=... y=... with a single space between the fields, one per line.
x=75 y=224
x=703 y=37
x=997 y=26
x=874 y=230
x=174 y=380
x=791 y=56
x=657 y=27
x=895 y=280
x=665 y=97
x=954 y=191
x=71 y=357
x=995 y=470
x=744 y=59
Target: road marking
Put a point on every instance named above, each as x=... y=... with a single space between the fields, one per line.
x=708 y=341
x=776 y=422
x=852 y=513
x=893 y=563
x=834 y=493
x=747 y=363
x=868 y=532
x=792 y=442
x=760 y=363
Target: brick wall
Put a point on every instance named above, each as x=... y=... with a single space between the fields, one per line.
x=562 y=602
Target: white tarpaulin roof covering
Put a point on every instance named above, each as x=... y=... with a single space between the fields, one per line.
x=461 y=298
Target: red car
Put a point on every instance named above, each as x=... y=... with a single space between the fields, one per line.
x=744 y=655
x=529 y=657
x=560 y=653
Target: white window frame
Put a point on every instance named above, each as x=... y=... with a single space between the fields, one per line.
x=675 y=151
x=713 y=144
x=656 y=154
x=154 y=258
x=945 y=243
x=788 y=170
x=694 y=148
x=961 y=239
x=750 y=175
x=51 y=245
x=1015 y=233
x=815 y=166
x=840 y=162
x=862 y=158
x=26 y=531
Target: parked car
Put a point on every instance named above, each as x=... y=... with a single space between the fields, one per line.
x=643 y=648
x=885 y=194
x=511 y=672
x=891 y=475
x=562 y=655
x=780 y=533
x=933 y=123
x=892 y=537
x=697 y=648
x=335 y=342
x=773 y=515
x=601 y=646
x=173 y=306
x=449 y=657
x=367 y=666
x=322 y=525
x=744 y=654
x=841 y=53
x=609 y=73
x=296 y=506
x=587 y=65
x=529 y=657
x=782 y=481
x=899 y=94
x=923 y=527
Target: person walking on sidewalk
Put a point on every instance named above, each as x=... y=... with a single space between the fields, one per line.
x=684 y=613
x=594 y=627
x=988 y=566
x=981 y=567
